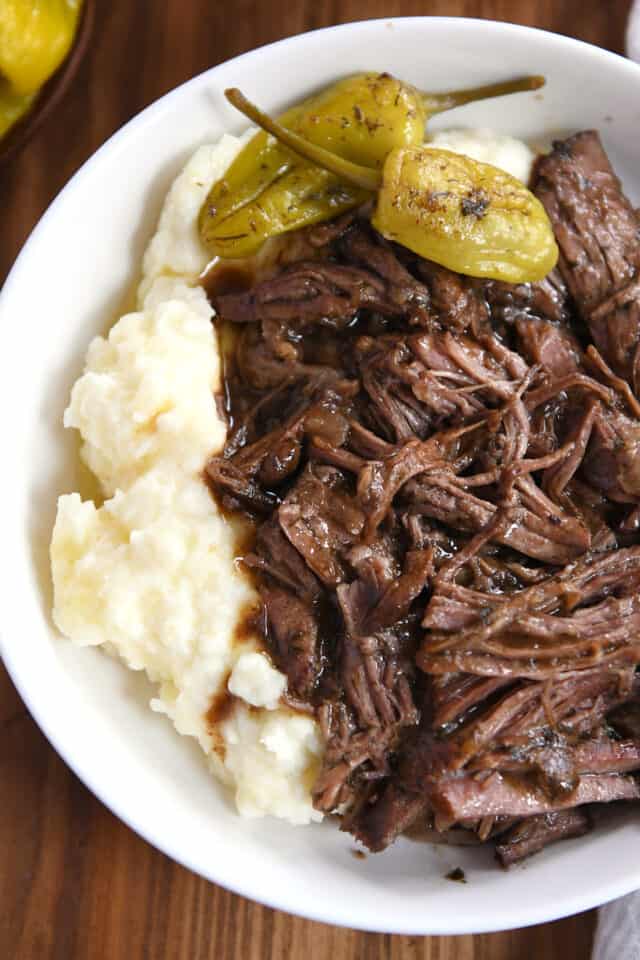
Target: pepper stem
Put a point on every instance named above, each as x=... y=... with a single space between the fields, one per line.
x=437 y=102
x=353 y=173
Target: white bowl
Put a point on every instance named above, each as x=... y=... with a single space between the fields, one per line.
x=68 y=284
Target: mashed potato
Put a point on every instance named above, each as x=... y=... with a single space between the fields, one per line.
x=509 y=154
x=149 y=575
x=145 y=398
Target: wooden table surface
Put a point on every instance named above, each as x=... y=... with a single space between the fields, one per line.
x=76 y=883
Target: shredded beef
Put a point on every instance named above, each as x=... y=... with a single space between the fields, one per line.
x=456 y=302
x=548 y=299
x=595 y=225
x=466 y=798
x=549 y=345
x=531 y=835
x=322 y=520
x=444 y=479
x=293 y=632
x=378 y=824
x=597 y=231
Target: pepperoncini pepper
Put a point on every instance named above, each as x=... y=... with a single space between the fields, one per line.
x=361 y=118
x=468 y=216
x=35 y=37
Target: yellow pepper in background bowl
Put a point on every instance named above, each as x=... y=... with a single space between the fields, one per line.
x=36 y=37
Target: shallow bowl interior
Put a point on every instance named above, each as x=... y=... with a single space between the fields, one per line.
x=69 y=283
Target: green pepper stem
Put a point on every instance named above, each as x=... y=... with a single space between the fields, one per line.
x=352 y=173
x=437 y=102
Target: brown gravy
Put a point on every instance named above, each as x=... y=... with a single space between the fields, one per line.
x=219 y=711
x=227 y=276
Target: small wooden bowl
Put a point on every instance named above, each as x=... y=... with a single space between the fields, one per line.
x=53 y=90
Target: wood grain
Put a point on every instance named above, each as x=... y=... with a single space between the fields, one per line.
x=75 y=883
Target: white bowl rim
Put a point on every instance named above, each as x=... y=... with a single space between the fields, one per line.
x=523 y=917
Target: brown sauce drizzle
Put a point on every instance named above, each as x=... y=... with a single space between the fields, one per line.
x=219 y=711
x=224 y=276
x=221 y=704
x=251 y=623
x=249 y=626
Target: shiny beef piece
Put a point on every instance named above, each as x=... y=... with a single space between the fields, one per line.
x=507 y=303
x=595 y=225
x=466 y=798
x=307 y=294
x=375 y=667
x=531 y=835
x=326 y=293
x=263 y=453
x=418 y=384
x=615 y=328
x=612 y=462
x=290 y=593
x=537 y=632
x=432 y=296
x=321 y=519
x=550 y=345
x=543 y=531
x=281 y=563
x=377 y=825
x=456 y=302
x=293 y=637
x=598 y=234
x=365 y=248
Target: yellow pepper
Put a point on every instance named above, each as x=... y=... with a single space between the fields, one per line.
x=35 y=37
x=268 y=190
x=468 y=216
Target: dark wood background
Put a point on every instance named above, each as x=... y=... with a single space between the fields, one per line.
x=76 y=883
